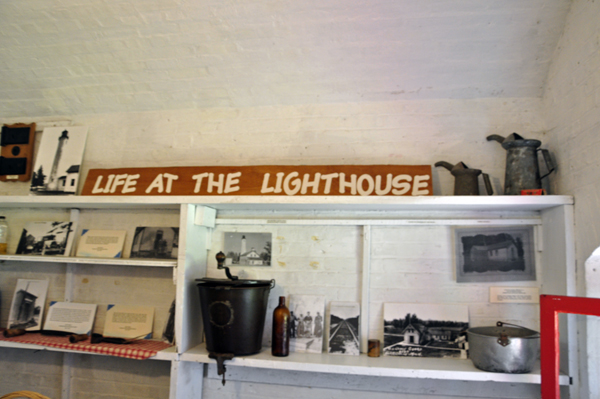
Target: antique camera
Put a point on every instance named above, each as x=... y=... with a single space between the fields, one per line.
x=16 y=153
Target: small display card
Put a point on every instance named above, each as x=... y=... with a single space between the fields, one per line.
x=101 y=243
x=76 y=318
x=129 y=322
x=514 y=295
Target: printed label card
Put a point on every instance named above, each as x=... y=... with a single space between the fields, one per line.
x=101 y=243
x=75 y=318
x=129 y=322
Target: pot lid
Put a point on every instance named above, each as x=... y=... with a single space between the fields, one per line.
x=218 y=282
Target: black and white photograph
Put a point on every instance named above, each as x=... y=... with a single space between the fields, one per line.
x=47 y=238
x=155 y=242
x=27 y=308
x=425 y=330
x=247 y=249
x=58 y=162
x=344 y=319
x=307 y=323
x=494 y=254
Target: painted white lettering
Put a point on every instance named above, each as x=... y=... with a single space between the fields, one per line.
x=170 y=179
x=157 y=183
x=218 y=184
x=328 y=179
x=388 y=185
x=130 y=182
x=279 y=182
x=97 y=189
x=231 y=182
x=351 y=185
x=402 y=187
x=419 y=183
x=109 y=181
x=119 y=181
x=198 y=179
x=265 y=185
x=306 y=183
x=297 y=184
x=360 y=184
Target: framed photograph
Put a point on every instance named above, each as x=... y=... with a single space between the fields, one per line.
x=248 y=249
x=494 y=254
x=425 y=330
x=27 y=308
x=306 y=314
x=155 y=242
x=47 y=238
x=344 y=336
x=58 y=162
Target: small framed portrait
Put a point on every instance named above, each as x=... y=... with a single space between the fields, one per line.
x=494 y=254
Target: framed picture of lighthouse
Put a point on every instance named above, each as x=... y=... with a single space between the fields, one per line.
x=247 y=249
x=494 y=254
x=58 y=162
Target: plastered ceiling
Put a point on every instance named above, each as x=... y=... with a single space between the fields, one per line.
x=66 y=57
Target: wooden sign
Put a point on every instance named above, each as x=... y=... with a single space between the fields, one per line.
x=360 y=180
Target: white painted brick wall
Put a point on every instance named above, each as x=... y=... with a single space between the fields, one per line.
x=315 y=260
x=572 y=114
x=38 y=371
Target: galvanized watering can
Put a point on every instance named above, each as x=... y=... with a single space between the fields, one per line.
x=465 y=179
x=522 y=168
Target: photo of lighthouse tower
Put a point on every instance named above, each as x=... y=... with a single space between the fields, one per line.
x=58 y=162
x=247 y=249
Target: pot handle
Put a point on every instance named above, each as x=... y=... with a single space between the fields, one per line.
x=500 y=324
x=272 y=284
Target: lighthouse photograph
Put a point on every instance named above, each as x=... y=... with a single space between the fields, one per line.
x=247 y=249
x=58 y=163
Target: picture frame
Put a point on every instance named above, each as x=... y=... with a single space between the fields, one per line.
x=344 y=328
x=28 y=303
x=47 y=238
x=307 y=323
x=425 y=330
x=492 y=254
x=155 y=242
x=248 y=249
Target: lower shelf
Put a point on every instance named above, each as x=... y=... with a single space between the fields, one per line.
x=385 y=366
x=142 y=349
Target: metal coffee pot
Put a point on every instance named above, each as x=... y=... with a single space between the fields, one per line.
x=465 y=179
x=522 y=168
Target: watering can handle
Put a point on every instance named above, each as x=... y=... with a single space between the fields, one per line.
x=548 y=161
x=488 y=184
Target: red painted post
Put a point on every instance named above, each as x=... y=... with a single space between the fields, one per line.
x=550 y=307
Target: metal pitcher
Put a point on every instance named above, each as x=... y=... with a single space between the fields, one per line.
x=522 y=168
x=465 y=179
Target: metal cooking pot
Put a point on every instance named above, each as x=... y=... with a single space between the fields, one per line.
x=504 y=349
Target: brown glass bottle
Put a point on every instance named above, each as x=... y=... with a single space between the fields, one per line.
x=280 y=342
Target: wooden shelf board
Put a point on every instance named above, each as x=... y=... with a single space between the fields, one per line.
x=438 y=203
x=167 y=354
x=385 y=366
x=91 y=261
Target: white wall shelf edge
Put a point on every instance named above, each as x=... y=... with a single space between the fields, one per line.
x=385 y=366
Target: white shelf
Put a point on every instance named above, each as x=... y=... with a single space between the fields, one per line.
x=167 y=354
x=284 y=203
x=384 y=366
x=91 y=261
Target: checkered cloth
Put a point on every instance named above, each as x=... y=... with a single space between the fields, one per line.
x=141 y=349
